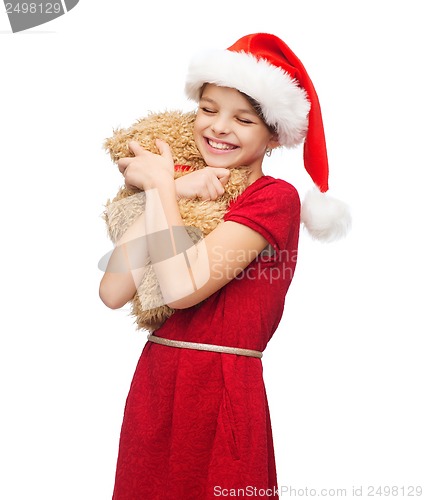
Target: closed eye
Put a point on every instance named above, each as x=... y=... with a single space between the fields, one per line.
x=207 y=110
x=245 y=120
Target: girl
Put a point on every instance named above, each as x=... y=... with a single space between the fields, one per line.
x=196 y=422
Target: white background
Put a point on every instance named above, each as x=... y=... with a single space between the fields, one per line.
x=344 y=370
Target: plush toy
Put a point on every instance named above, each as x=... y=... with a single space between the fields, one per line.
x=200 y=217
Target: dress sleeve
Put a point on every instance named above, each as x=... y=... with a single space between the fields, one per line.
x=272 y=209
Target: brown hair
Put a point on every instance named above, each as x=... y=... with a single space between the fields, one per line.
x=258 y=110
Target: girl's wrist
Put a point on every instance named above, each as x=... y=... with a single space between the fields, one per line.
x=161 y=181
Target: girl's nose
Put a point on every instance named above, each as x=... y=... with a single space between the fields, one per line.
x=220 y=125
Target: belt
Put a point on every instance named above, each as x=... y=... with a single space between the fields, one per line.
x=204 y=347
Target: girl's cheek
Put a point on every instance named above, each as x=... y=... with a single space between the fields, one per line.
x=197 y=137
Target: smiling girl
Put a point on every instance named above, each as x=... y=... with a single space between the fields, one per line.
x=229 y=133
x=196 y=419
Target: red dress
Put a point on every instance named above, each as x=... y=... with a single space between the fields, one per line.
x=196 y=424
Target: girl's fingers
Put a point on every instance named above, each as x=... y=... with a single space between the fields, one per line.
x=211 y=193
x=215 y=190
x=164 y=150
x=136 y=148
x=223 y=174
x=218 y=187
x=123 y=164
x=213 y=181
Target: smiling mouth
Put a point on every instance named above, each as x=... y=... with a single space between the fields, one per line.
x=221 y=146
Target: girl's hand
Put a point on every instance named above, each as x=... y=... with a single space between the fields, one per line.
x=206 y=184
x=146 y=170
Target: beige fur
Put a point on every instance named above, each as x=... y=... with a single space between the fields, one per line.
x=176 y=128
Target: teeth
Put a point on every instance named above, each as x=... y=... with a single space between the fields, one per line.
x=220 y=145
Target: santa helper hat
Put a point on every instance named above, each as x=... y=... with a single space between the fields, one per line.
x=263 y=67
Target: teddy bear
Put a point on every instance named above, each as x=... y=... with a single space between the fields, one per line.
x=200 y=217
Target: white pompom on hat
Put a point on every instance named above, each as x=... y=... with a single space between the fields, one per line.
x=264 y=67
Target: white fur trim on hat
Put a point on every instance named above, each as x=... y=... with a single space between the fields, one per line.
x=284 y=103
x=326 y=219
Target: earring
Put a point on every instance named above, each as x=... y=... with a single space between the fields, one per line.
x=268 y=152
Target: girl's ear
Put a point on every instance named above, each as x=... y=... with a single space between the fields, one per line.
x=274 y=142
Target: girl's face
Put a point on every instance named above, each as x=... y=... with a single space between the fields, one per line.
x=228 y=132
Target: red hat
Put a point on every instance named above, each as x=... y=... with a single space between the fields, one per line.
x=265 y=68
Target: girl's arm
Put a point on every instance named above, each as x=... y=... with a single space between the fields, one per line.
x=187 y=273
x=125 y=266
